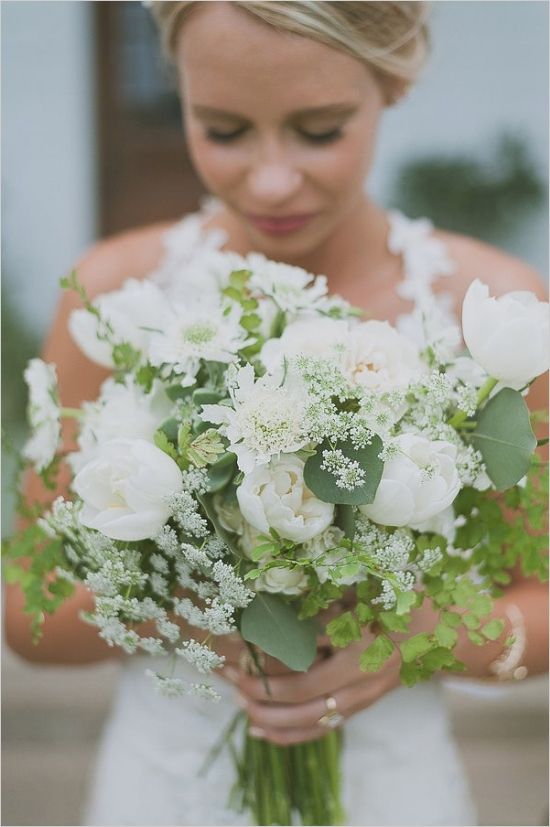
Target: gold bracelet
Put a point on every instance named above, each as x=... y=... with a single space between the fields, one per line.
x=507 y=666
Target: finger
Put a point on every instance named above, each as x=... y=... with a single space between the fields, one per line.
x=286 y=737
x=289 y=716
x=323 y=678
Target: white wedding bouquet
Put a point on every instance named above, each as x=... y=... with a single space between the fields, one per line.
x=259 y=453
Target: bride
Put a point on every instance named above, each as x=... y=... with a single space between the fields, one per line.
x=282 y=103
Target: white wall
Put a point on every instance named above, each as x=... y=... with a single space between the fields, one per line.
x=48 y=137
x=488 y=72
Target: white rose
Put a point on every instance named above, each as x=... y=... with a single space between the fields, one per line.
x=279 y=580
x=315 y=337
x=122 y=410
x=417 y=483
x=138 y=305
x=380 y=358
x=275 y=496
x=507 y=336
x=124 y=489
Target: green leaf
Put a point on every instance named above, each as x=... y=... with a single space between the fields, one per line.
x=438 y=658
x=170 y=428
x=202 y=396
x=471 y=621
x=364 y=612
x=493 y=629
x=323 y=484
x=416 y=646
x=252 y=574
x=220 y=473
x=409 y=674
x=404 y=602
x=505 y=438
x=446 y=636
x=451 y=619
x=343 y=630
x=373 y=658
x=273 y=625
x=162 y=442
x=394 y=622
x=476 y=638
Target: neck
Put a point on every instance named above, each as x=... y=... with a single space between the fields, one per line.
x=358 y=243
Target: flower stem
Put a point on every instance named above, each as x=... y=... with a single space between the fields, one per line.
x=460 y=417
x=71 y=413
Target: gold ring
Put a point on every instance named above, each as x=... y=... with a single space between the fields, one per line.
x=332 y=718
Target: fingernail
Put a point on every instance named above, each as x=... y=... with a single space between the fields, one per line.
x=231 y=674
x=256 y=732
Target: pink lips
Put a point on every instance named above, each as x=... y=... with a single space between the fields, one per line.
x=274 y=225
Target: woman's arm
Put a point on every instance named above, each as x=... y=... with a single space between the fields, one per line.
x=66 y=639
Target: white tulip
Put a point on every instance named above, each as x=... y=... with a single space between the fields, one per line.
x=507 y=336
x=131 y=312
x=124 y=489
x=275 y=496
x=417 y=483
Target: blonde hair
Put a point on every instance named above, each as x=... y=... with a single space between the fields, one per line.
x=392 y=39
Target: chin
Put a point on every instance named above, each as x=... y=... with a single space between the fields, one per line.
x=289 y=247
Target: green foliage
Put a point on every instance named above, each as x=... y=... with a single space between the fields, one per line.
x=275 y=627
x=504 y=437
x=374 y=657
x=343 y=630
x=44 y=591
x=319 y=597
x=471 y=196
x=498 y=540
x=323 y=483
x=19 y=344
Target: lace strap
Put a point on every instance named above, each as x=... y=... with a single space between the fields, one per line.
x=425 y=258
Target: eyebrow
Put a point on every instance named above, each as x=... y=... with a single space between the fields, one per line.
x=330 y=109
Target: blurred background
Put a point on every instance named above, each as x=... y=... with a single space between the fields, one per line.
x=92 y=144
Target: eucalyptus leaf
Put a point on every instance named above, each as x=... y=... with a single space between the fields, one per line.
x=505 y=438
x=221 y=472
x=273 y=625
x=323 y=484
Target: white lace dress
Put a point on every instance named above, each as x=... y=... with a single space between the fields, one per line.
x=400 y=763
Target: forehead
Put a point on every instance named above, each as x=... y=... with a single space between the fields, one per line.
x=229 y=59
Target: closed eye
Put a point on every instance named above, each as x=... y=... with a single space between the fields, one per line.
x=315 y=138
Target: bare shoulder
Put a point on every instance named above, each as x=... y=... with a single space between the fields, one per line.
x=500 y=270
x=130 y=254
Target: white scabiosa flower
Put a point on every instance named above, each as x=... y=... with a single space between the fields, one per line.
x=275 y=496
x=125 y=490
x=131 y=313
x=507 y=336
x=291 y=288
x=267 y=418
x=197 y=332
x=419 y=481
x=123 y=409
x=379 y=358
x=43 y=413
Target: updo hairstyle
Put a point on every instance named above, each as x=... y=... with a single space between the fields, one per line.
x=392 y=39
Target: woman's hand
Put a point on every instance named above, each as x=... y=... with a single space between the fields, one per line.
x=291 y=713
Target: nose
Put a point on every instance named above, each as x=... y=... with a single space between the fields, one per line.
x=273 y=179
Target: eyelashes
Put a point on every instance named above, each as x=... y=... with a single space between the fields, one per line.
x=319 y=138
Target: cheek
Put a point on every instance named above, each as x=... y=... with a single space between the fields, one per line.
x=343 y=168
x=219 y=168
